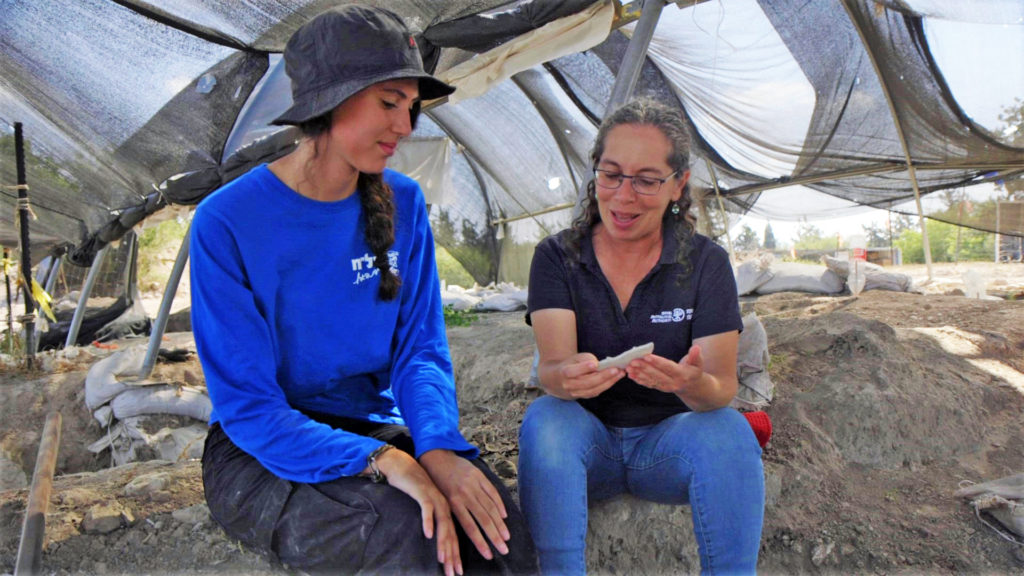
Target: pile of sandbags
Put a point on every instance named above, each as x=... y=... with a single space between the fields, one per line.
x=764 y=275
x=876 y=277
x=501 y=297
x=121 y=402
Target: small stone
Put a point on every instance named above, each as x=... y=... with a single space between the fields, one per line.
x=193 y=379
x=195 y=515
x=102 y=518
x=147 y=484
x=821 y=552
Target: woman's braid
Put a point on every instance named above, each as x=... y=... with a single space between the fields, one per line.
x=375 y=196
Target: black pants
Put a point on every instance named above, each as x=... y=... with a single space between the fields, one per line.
x=349 y=525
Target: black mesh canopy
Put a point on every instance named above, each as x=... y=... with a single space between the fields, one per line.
x=131 y=106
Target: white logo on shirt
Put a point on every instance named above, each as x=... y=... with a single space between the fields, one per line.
x=365 y=262
x=674 y=315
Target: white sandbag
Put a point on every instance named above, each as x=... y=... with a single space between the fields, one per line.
x=104 y=415
x=129 y=442
x=891 y=281
x=756 y=389
x=876 y=278
x=177 y=444
x=503 y=302
x=750 y=275
x=102 y=381
x=798 y=277
x=182 y=401
x=481 y=291
x=1007 y=487
x=459 y=300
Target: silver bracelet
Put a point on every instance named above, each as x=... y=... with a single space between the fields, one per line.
x=371 y=461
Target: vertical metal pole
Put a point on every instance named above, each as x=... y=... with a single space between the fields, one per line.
x=10 y=305
x=28 y=321
x=911 y=171
x=998 y=239
x=90 y=280
x=629 y=71
x=636 y=53
x=721 y=207
x=959 y=230
x=51 y=280
x=892 y=249
x=30 y=549
x=157 y=333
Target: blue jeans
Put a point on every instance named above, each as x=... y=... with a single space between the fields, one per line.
x=710 y=460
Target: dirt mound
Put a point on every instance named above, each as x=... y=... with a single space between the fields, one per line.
x=884 y=404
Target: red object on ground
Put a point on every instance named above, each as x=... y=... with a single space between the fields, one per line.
x=761 y=424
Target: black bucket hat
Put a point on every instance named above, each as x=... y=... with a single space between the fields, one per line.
x=344 y=50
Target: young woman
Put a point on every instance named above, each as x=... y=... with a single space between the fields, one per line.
x=334 y=441
x=630 y=271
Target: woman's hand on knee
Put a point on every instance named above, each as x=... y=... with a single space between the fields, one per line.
x=405 y=473
x=474 y=501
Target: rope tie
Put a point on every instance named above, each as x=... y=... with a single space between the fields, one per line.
x=160 y=195
x=15 y=187
x=24 y=204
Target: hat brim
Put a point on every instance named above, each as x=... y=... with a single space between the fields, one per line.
x=323 y=101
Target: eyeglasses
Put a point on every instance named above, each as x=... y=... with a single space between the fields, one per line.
x=643 y=185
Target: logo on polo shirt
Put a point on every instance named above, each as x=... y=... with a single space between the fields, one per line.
x=364 y=268
x=674 y=315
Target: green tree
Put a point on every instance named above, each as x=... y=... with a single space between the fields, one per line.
x=747 y=240
x=882 y=234
x=769 y=237
x=877 y=235
x=472 y=249
x=1013 y=134
x=810 y=237
x=973 y=244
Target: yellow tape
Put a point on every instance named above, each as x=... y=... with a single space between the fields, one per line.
x=43 y=300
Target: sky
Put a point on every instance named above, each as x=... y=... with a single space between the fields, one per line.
x=983 y=65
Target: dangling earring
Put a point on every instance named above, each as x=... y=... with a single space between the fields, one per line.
x=675 y=209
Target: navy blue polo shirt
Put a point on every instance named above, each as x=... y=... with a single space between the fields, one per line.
x=661 y=310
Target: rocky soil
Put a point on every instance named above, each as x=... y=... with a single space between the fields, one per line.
x=884 y=405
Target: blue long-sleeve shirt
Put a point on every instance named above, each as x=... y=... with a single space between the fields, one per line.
x=286 y=318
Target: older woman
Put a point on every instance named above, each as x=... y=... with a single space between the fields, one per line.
x=632 y=271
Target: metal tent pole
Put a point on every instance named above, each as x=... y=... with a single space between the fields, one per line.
x=51 y=278
x=157 y=333
x=629 y=70
x=899 y=131
x=636 y=53
x=10 y=305
x=28 y=320
x=90 y=280
x=721 y=207
x=998 y=239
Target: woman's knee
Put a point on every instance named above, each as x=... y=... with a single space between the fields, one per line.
x=552 y=425
x=350 y=525
x=717 y=435
x=726 y=426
